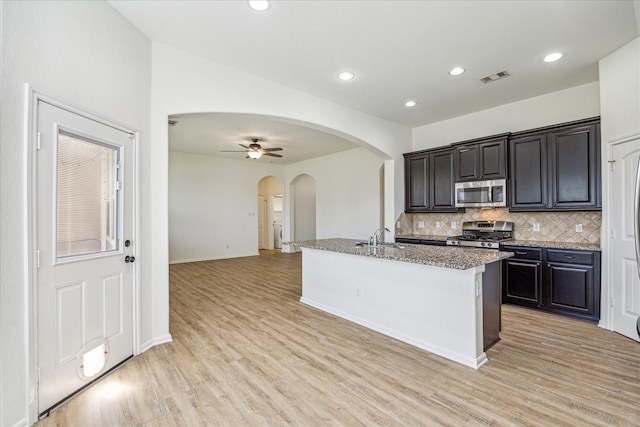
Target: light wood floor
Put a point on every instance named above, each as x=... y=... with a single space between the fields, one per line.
x=247 y=353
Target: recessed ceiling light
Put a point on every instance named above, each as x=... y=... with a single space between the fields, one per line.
x=552 y=57
x=346 y=75
x=410 y=104
x=259 y=5
x=456 y=71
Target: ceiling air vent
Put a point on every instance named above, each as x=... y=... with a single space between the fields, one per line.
x=494 y=77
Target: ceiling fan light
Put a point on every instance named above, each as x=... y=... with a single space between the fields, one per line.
x=255 y=154
x=259 y=5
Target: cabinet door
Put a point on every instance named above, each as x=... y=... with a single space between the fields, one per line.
x=492 y=159
x=442 y=181
x=467 y=163
x=570 y=290
x=528 y=163
x=574 y=163
x=521 y=282
x=415 y=184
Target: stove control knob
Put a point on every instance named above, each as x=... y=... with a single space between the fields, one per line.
x=483 y=244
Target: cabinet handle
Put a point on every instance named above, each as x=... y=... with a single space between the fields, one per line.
x=520 y=253
x=569 y=257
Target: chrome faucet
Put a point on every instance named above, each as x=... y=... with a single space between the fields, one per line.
x=378 y=236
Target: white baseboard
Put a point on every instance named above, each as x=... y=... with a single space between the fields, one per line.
x=156 y=341
x=182 y=261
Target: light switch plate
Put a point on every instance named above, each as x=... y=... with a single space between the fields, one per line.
x=578 y=228
x=420 y=224
x=536 y=226
x=454 y=225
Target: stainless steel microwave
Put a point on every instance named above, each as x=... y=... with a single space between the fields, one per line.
x=481 y=194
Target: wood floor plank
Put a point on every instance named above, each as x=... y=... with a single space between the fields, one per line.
x=246 y=352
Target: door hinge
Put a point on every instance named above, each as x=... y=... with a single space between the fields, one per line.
x=613 y=302
x=117 y=185
x=117 y=165
x=38 y=141
x=37 y=258
x=611 y=164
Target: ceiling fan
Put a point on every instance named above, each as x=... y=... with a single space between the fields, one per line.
x=255 y=150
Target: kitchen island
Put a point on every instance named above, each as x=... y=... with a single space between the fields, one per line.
x=427 y=296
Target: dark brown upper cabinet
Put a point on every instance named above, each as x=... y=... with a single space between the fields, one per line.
x=429 y=180
x=481 y=159
x=556 y=168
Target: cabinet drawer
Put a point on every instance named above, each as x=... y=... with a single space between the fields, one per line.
x=524 y=252
x=570 y=257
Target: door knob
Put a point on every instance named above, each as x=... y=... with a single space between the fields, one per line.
x=128 y=259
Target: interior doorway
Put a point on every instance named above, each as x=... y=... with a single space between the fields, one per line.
x=270 y=213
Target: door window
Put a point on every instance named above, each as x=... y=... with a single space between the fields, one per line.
x=87 y=203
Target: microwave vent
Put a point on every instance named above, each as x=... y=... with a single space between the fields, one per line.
x=494 y=77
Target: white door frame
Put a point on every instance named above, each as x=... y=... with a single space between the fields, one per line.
x=30 y=205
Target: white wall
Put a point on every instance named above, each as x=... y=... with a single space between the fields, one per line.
x=347 y=192
x=620 y=114
x=213 y=201
x=85 y=54
x=303 y=207
x=558 y=107
x=213 y=206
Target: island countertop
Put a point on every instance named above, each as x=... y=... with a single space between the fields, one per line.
x=437 y=256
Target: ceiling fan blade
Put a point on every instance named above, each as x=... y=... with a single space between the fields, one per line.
x=272 y=155
x=272 y=149
x=244 y=146
x=233 y=151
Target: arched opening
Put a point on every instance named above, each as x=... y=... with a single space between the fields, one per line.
x=303 y=206
x=270 y=213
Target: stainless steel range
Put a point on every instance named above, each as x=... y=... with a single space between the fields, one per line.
x=483 y=234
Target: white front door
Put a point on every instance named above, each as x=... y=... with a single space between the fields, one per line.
x=624 y=266
x=84 y=255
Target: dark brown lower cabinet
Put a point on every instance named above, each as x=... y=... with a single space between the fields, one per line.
x=573 y=283
x=556 y=280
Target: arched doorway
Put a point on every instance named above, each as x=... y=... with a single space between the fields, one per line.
x=303 y=215
x=270 y=213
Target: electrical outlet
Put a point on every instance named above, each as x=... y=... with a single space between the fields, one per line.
x=536 y=226
x=578 y=228
x=398 y=224
x=420 y=224
x=454 y=225
x=438 y=224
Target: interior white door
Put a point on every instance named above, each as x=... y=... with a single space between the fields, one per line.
x=85 y=251
x=624 y=265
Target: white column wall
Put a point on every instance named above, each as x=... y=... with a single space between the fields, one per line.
x=620 y=106
x=86 y=55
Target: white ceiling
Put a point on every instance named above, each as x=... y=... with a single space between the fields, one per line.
x=399 y=50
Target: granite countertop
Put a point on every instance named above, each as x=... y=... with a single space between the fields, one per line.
x=515 y=242
x=421 y=237
x=553 y=245
x=437 y=256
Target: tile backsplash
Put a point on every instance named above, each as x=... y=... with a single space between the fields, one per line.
x=553 y=226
